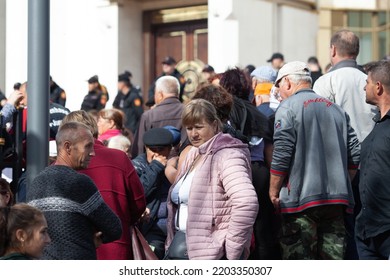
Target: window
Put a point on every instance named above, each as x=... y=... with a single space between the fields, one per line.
x=373 y=29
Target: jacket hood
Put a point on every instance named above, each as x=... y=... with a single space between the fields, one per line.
x=219 y=142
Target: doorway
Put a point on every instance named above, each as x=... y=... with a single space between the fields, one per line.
x=184 y=39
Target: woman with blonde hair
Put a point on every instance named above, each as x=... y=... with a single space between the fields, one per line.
x=212 y=202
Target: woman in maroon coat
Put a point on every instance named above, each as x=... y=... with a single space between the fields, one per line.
x=118 y=182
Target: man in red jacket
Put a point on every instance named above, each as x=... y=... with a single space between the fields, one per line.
x=117 y=181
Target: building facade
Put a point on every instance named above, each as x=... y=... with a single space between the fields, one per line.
x=106 y=37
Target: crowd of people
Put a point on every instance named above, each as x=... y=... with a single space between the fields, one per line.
x=280 y=161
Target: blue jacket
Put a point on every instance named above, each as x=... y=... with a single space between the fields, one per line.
x=156 y=187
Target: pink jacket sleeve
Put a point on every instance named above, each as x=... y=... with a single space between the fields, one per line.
x=236 y=179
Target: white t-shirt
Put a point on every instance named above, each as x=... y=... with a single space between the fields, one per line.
x=180 y=193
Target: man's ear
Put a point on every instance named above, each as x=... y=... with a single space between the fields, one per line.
x=288 y=83
x=379 y=88
x=67 y=147
x=332 y=51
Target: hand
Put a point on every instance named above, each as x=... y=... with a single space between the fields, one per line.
x=15 y=98
x=97 y=239
x=145 y=217
x=275 y=201
x=162 y=159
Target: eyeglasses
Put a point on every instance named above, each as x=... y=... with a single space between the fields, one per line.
x=3 y=192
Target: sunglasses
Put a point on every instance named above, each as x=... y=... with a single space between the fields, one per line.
x=3 y=192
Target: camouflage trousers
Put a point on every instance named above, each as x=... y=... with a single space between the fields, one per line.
x=315 y=233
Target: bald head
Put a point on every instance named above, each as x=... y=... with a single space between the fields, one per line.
x=346 y=44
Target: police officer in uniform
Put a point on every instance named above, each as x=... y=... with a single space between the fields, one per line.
x=169 y=68
x=97 y=96
x=129 y=100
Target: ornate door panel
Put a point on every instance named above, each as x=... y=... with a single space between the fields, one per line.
x=187 y=43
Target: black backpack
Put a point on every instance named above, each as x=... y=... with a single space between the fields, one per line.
x=248 y=120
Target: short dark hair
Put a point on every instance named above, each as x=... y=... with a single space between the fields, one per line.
x=346 y=43
x=68 y=131
x=379 y=71
x=219 y=97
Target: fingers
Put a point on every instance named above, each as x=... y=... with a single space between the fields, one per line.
x=276 y=202
x=15 y=98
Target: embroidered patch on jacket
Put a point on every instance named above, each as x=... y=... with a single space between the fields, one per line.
x=278 y=124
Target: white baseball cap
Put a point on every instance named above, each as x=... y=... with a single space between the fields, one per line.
x=294 y=67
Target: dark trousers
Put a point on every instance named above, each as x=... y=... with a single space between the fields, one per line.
x=267 y=224
x=156 y=239
x=374 y=248
x=351 y=252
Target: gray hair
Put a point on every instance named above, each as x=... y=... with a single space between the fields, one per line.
x=119 y=142
x=296 y=78
x=168 y=85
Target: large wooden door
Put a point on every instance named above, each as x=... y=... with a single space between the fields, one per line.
x=186 y=42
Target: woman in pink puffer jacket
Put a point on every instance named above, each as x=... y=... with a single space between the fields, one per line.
x=218 y=203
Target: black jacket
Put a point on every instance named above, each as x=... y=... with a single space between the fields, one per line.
x=131 y=105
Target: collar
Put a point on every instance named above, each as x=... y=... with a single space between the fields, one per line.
x=169 y=100
x=304 y=90
x=377 y=118
x=345 y=63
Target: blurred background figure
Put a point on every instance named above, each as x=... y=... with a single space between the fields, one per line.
x=121 y=143
x=168 y=69
x=23 y=233
x=3 y=99
x=263 y=79
x=248 y=70
x=208 y=73
x=111 y=123
x=57 y=94
x=315 y=69
x=6 y=196
x=129 y=100
x=277 y=61
x=97 y=96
